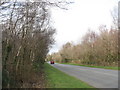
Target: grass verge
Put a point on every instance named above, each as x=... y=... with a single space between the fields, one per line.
x=104 y=67
x=58 y=79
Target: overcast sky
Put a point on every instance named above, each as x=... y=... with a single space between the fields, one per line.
x=72 y=24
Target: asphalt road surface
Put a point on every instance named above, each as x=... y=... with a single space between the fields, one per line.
x=96 y=77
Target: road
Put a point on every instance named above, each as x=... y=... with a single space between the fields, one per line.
x=96 y=77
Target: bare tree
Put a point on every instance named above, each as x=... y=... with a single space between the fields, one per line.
x=27 y=35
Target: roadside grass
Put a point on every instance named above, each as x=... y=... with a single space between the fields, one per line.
x=58 y=79
x=104 y=67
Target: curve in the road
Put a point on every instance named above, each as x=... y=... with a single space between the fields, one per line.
x=96 y=77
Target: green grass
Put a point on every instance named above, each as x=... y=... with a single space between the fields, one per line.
x=104 y=67
x=58 y=79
